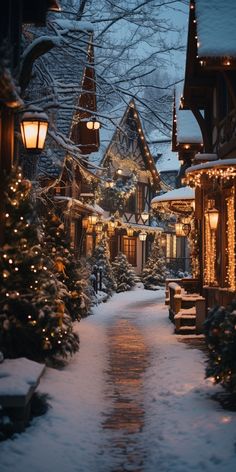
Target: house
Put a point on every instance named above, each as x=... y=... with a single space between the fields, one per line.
x=66 y=88
x=130 y=179
x=209 y=92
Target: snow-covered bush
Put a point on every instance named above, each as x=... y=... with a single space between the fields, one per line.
x=101 y=259
x=154 y=272
x=124 y=273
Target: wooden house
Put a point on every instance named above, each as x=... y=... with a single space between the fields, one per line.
x=210 y=93
x=62 y=169
x=131 y=180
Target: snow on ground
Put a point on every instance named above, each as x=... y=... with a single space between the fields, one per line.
x=171 y=423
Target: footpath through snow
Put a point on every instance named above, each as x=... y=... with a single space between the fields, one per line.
x=133 y=399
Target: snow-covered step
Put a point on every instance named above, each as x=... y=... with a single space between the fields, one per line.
x=186 y=330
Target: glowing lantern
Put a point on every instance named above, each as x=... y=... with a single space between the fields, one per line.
x=130 y=231
x=142 y=236
x=92 y=123
x=92 y=219
x=34 y=126
x=213 y=218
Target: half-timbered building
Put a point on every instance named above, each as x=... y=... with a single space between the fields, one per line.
x=133 y=178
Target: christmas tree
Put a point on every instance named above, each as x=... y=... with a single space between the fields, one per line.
x=33 y=319
x=124 y=274
x=71 y=271
x=221 y=340
x=154 y=272
x=101 y=259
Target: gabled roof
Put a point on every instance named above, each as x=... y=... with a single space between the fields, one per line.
x=119 y=138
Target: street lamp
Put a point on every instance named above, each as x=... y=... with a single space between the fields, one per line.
x=34 y=127
x=142 y=236
x=213 y=218
x=93 y=123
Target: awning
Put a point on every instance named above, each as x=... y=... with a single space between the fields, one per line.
x=179 y=201
x=222 y=168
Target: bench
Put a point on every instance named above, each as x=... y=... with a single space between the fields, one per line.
x=186 y=310
x=19 y=379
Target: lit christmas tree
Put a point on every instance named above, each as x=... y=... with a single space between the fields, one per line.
x=33 y=320
x=101 y=258
x=74 y=273
x=220 y=331
x=124 y=274
x=154 y=272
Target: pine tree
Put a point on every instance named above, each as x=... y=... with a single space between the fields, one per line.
x=101 y=259
x=154 y=272
x=71 y=271
x=221 y=340
x=33 y=319
x=124 y=274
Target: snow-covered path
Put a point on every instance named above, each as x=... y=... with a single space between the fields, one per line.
x=133 y=399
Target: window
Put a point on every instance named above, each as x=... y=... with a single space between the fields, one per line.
x=129 y=248
x=140 y=198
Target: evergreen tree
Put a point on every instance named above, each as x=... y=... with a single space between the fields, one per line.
x=71 y=271
x=124 y=274
x=33 y=319
x=154 y=272
x=221 y=340
x=101 y=258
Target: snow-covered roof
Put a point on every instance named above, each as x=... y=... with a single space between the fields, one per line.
x=219 y=163
x=188 y=130
x=59 y=72
x=216 y=29
x=182 y=193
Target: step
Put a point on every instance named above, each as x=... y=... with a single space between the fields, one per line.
x=186 y=330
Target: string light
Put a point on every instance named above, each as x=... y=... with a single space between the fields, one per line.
x=230 y=267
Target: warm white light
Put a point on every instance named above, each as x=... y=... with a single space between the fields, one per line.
x=130 y=231
x=144 y=216
x=92 y=219
x=213 y=218
x=142 y=236
x=93 y=124
x=34 y=126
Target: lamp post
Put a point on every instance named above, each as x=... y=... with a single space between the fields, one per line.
x=142 y=238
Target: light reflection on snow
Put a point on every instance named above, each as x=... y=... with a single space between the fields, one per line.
x=128 y=359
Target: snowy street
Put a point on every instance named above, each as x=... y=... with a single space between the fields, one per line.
x=133 y=399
